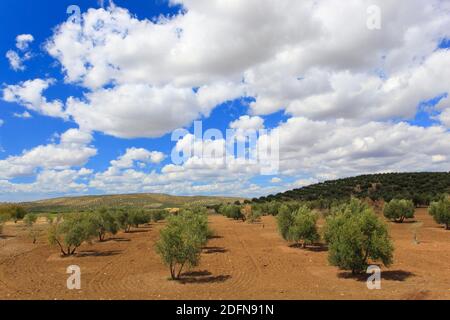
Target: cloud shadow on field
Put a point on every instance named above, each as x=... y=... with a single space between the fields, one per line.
x=200 y=277
x=391 y=275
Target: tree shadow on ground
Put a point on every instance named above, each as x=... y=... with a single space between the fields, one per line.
x=140 y=230
x=317 y=247
x=5 y=236
x=215 y=237
x=200 y=277
x=404 y=222
x=392 y=275
x=119 y=239
x=210 y=250
x=94 y=253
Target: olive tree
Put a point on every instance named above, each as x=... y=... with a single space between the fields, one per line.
x=354 y=235
x=14 y=212
x=298 y=225
x=29 y=221
x=251 y=214
x=3 y=219
x=440 y=211
x=399 y=210
x=18 y=213
x=181 y=241
x=139 y=217
x=197 y=222
x=273 y=207
x=123 y=220
x=158 y=215
x=126 y=219
x=304 y=227
x=285 y=220
x=103 y=222
x=232 y=212
x=70 y=232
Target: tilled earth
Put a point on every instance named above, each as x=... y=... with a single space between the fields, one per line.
x=243 y=261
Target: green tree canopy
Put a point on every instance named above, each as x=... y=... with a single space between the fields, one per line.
x=181 y=241
x=70 y=232
x=299 y=225
x=103 y=221
x=440 y=211
x=355 y=235
x=399 y=210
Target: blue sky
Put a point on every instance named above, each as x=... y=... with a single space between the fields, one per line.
x=90 y=108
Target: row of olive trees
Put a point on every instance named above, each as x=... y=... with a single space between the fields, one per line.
x=353 y=232
x=182 y=240
x=69 y=231
x=232 y=211
x=12 y=212
x=399 y=210
x=245 y=212
x=440 y=211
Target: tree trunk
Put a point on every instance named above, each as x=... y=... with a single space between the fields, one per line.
x=172 y=271
x=61 y=248
x=179 y=272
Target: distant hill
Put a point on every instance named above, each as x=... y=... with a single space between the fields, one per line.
x=143 y=201
x=421 y=187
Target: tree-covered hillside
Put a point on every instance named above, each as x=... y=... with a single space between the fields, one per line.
x=135 y=201
x=421 y=187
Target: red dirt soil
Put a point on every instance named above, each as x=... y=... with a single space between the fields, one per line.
x=243 y=261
